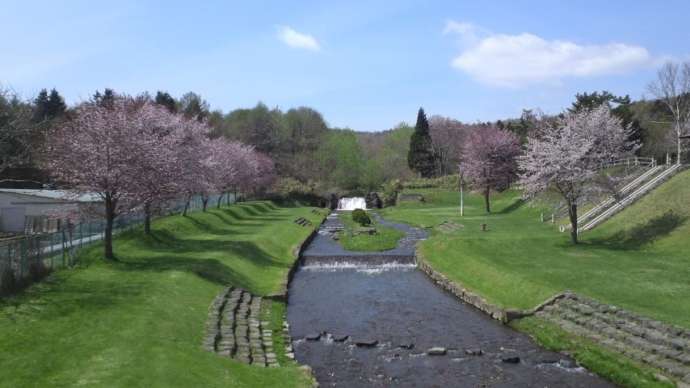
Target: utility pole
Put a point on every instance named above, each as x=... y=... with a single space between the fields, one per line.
x=462 y=199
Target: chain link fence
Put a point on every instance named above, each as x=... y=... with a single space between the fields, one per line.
x=30 y=257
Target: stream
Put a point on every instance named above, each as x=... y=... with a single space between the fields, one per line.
x=374 y=320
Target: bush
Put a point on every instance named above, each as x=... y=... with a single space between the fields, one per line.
x=390 y=192
x=361 y=217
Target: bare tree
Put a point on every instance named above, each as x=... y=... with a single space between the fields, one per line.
x=672 y=87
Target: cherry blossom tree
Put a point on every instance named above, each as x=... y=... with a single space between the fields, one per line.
x=489 y=160
x=110 y=150
x=566 y=155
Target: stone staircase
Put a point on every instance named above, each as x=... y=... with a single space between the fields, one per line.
x=650 y=179
x=637 y=193
x=642 y=339
x=234 y=329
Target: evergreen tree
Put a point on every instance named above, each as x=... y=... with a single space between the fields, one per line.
x=56 y=105
x=420 y=157
x=106 y=99
x=168 y=101
x=48 y=106
x=40 y=106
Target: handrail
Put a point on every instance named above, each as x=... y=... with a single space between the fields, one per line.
x=630 y=198
x=610 y=200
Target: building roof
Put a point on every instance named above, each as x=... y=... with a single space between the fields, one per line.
x=61 y=195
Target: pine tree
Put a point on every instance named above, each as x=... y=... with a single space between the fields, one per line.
x=41 y=106
x=56 y=105
x=421 y=156
x=165 y=99
x=48 y=106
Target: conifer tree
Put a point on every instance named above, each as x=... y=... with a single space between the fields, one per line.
x=421 y=156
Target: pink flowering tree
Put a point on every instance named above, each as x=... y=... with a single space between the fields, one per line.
x=193 y=151
x=566 y=155
x=110 y=149
x=489 y=160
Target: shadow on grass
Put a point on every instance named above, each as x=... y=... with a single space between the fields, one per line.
x=208 y=269
x=642 y=234
x=193 y=255
x=512 y=207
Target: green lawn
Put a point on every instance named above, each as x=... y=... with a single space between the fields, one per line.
x=140 y=321
x=385 y=238
x=638 y=260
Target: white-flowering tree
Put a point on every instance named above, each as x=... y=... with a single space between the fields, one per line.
x=568 y=153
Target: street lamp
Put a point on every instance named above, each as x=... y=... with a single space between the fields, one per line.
x=462 y=199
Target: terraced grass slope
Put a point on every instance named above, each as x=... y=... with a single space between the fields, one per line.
x=140 y=322
x=640 y=259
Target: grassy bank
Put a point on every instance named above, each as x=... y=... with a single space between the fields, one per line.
x=385 y=238
x=140 y=321
x=638 y=260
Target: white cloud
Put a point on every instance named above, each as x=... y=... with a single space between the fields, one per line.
x=524 y=59
x=296 y=39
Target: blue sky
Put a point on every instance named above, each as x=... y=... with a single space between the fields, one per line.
x=365 y=65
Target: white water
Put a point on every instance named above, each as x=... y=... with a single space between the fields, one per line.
x=352 y=203
x=359 y=267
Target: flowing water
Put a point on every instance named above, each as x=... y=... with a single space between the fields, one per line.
x=352 y=203
x=360 y=320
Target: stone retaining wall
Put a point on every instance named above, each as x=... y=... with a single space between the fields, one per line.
x=657 y=344
x=282 y=295
x=465 y=295
x=660 y=345
x=234 y=329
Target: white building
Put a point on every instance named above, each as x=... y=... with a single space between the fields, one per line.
x=26 y=209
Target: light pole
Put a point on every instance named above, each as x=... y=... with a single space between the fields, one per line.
x=462 y=199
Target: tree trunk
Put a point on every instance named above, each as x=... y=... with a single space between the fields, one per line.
x=678 y=158
x=572 y=213
x=204 y=202
x=186 y=207
x=220 y=198
x=487 y=192
x=108 y=233
x=147 y=217
x=227 y=198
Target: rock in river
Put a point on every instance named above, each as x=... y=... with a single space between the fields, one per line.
x=436 y=351
x=366 y=343
x=312 y=337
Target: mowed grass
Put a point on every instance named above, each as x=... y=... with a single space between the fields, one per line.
x=639 y=260
x=385 y=238
x=140 y=322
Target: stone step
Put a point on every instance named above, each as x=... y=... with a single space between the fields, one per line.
x=630 y=346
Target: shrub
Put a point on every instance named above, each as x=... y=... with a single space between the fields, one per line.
x=390 y=192
x=361 y=217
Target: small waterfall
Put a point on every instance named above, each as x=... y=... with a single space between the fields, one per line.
x=352 y=203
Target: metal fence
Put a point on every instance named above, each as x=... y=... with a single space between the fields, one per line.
x=26 y=259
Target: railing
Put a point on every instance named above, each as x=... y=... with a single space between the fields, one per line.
x=639 y=192
x=636 y=161
x=611 y=200
x=23 y=260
